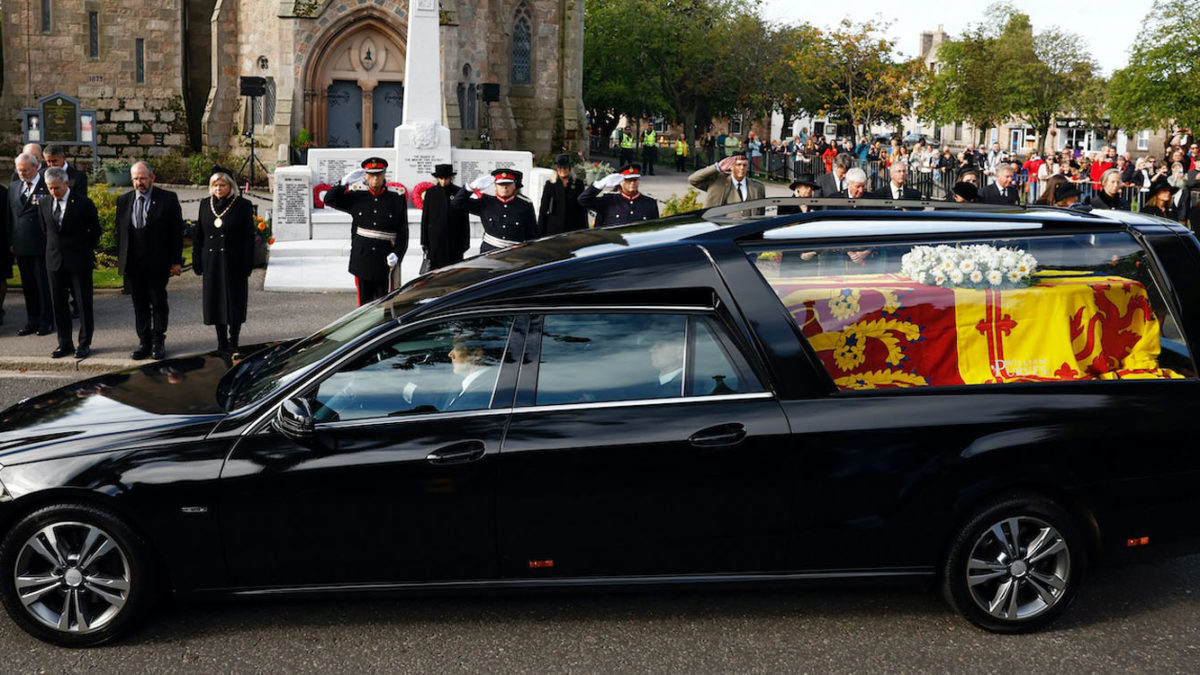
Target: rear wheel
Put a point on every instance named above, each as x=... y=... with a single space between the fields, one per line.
x=1016 y=565
x=74 y=575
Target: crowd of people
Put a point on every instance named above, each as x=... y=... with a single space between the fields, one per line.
x=50 y=229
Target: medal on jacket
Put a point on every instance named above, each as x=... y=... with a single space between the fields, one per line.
x=212 y=200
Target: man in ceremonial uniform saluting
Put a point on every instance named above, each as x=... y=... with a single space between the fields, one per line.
x=379 y=230
x=627 y=205
x=508 y=217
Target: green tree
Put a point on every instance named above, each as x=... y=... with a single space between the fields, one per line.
x=963 y=88
x=683 y=59
x=1045 y=75
x=784 y=78
x=860 y=79
x=1161 y=85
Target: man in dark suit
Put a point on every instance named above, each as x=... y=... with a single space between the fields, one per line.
x=1001 y=190
x=834 y=182
x=896 y=188
x=149 y=252
x=445 y=231
x=76 y=179
x=560 y=210
x=72 y=231
x=28 y=242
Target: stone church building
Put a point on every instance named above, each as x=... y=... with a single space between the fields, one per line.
x=163 y=76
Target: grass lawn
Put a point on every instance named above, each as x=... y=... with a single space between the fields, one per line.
x=102 y=278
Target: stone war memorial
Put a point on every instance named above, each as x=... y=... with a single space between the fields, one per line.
x=161 y=81
x=313 y=243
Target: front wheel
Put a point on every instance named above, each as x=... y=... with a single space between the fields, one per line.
x=1016 y=565
x=74 y=575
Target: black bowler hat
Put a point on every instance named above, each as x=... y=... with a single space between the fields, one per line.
x=631 y=171
x=1065 y=190
x=964 y=172
x=803 y=181
x=739 y=153
x=967 y=191
x=375 y=164
x=507 y=176
x=218 y=169
x=443 y=171
x=1161 y=183
x=563 y=161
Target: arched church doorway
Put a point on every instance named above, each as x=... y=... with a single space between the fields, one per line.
x=354 y=87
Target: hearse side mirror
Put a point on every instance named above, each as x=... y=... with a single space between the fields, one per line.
x=295 y=420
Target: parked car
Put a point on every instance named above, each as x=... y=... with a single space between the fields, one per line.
x=703 y=399
x=910 y=139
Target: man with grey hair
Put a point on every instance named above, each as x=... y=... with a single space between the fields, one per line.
x=35 y=152
x=149 y=252
x=72 y=229
x=835 y=181
x=28 y=243
x=56 y=156
x=1001 y=190
x=856 y=185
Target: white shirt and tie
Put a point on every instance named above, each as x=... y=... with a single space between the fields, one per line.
x=60 y=205
x=141 y=209
x=741 y=189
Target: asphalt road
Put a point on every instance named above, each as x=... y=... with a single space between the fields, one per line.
x=1135 y=619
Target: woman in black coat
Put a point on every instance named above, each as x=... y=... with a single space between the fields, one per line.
x=223 y=253
x=1109 y=194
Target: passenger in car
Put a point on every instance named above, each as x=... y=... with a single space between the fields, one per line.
x=477 y=366
x=666 y=355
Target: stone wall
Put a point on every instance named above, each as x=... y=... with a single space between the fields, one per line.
x=133 y=119
x=195 y=51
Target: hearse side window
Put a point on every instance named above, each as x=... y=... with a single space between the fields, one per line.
x=619 y=357
x=971 y=311
x=451 y=366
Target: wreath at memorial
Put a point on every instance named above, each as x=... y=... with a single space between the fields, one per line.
x=976 y=266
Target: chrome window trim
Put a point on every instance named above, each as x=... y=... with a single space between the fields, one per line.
x=422 y=417
x=560 y=407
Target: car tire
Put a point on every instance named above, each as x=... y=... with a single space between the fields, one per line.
x=75 y=575
x=1016 y=565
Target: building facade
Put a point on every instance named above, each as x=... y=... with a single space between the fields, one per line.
x=164 y=77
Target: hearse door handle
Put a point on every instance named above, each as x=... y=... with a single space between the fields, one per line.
x=458 y=453
x=722 y=435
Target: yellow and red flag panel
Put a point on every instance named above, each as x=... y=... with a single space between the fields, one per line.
x=884 y=330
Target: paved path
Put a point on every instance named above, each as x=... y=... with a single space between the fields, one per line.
x=272 y=316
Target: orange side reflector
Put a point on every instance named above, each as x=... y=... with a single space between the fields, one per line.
x=1137 y=541
x=535 y=564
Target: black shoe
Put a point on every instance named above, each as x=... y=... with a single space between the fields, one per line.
x=61 y=352
x=140 y=353
x=159 y=352
x=83 y=352
x=46 y=330
x=27 y=330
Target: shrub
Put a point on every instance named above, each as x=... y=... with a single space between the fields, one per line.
x=690 y=201
x=200 y=165
x=173 y=169
x=106 y=207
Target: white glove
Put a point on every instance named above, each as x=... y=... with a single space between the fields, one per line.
x=483 y=182
x=608 y=182
x=354 y=176
x=392 y=260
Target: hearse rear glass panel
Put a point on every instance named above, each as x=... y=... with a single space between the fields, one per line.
x=1022 y=307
